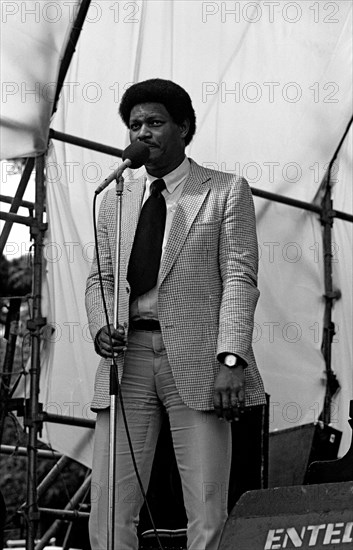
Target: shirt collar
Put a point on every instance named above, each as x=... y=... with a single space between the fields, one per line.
x=175 y=177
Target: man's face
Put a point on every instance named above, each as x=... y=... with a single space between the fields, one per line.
x=152 y=124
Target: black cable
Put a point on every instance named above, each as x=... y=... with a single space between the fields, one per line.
x=143 y=492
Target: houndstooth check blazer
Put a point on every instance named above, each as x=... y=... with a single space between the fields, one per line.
x=208 y=275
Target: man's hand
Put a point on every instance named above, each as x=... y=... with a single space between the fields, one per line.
x=118 y=341
x=229 y=394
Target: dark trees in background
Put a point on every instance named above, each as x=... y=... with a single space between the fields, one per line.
x=16 y=281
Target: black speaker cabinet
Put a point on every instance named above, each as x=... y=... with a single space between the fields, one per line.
x=292 y=450
x=248 y=471
x=310 y=517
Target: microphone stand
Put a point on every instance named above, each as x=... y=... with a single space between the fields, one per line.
x=114 y=385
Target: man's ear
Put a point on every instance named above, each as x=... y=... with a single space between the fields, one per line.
x=184 y=128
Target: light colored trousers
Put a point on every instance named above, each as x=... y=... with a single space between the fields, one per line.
x=202 y=446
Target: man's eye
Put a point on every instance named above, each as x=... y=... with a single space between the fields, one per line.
x=156 y=123
x=134 y=127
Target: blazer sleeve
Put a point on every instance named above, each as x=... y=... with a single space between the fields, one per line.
x=93 y=296
x=238 y=259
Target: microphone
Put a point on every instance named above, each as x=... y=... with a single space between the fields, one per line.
x=134 y=156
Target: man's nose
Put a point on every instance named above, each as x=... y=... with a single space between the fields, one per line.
x=144 y=132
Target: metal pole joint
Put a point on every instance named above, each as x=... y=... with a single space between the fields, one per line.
x=331 y=330
x=32 y=419
x=38 y=228
x=33 y=516
x=333 y=295
x=327 y=215
x=34 y=324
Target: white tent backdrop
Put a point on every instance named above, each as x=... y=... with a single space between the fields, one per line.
x=33 y=38
x=271 y=86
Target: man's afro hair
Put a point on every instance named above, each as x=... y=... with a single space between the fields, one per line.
x=157 y=90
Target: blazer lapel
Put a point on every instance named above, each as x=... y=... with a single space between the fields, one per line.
x=132 y=199
x=194 y=193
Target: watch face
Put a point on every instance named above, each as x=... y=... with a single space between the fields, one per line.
x=230 y=360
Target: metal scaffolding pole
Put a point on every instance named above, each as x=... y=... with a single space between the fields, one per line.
x=16 y=202
x=86 y=143
x=70 y=48
x=69 y=513
x=327 y=218
x=330 y=295
x=34 y=325
x=13 y=450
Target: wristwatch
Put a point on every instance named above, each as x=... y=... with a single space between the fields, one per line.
x=230 y=360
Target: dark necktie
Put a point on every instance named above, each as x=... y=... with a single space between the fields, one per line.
x=146 y=250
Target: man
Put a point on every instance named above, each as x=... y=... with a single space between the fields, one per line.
x=184 y=343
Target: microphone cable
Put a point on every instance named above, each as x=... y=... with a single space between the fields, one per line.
x=143 y=492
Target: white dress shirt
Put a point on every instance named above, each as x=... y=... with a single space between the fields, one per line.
x=146 y=306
